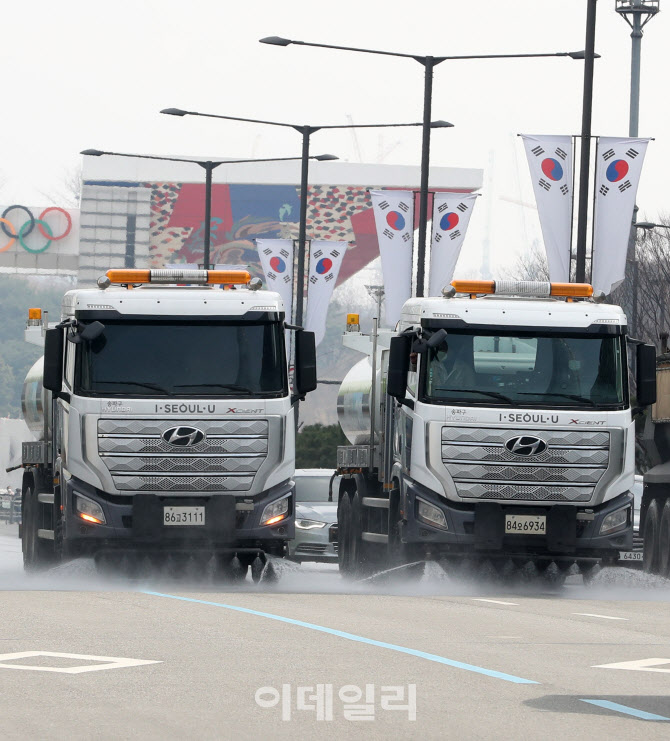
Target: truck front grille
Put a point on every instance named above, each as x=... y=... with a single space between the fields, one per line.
x=140 y=459
x=482 y=467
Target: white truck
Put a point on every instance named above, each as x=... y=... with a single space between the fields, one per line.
x=164 y=420
x=494 y=423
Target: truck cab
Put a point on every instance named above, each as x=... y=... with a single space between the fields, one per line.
x=170 y=420
x=505 y=426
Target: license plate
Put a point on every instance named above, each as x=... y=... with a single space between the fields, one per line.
x=630 y=555
x=183 y=515
x=525 y=525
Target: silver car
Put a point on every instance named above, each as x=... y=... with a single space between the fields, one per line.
x=315 y=517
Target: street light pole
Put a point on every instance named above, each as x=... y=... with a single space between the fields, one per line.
x=636 y=13
x=632 y=11
x=585 y=159
x=209 y=166
x=302 y=234
x=306 y=132
x=429 y=63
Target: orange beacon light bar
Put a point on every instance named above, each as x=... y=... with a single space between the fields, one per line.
x=523 y=288
x=176 y=275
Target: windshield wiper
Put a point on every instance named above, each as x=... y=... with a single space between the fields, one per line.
x=492 y=394
x=154 y=386
x=228 y=386
x=574 y=397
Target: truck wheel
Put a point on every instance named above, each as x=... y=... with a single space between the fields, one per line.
x=651 y=532
x=664 y=541
x=367 y=557
x=344 y=559
x=37 y=554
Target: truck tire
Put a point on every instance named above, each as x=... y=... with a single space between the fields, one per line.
x=37 y=554
x=367 y=556
x=650 y=536
x=344 y=555
x=664 y=541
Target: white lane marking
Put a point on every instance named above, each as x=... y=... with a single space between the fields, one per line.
x=604 y=617
x=641 y=665
x=495 y=601
x=110 y=662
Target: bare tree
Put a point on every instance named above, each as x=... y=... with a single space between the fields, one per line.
x=68 y=194
x=645 y=292
x=531 y=265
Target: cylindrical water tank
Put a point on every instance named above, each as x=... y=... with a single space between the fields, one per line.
x=34 y=400
x=353 y=402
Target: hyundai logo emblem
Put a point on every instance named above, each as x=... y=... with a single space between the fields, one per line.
x=526 y=445
x=183 y=436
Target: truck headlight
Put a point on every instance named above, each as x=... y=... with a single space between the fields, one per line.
x=615 y=521
x=309 y=524
x=275 y=512
x=89 y=510
x=431 y=515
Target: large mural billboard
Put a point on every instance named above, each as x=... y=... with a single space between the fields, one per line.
x=148 y=221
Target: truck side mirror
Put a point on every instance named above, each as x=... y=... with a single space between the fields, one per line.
x=52 y=378
x=646 y=375
x=396 y=381
x=305 y=362
x=437 y=339
x=92 y=331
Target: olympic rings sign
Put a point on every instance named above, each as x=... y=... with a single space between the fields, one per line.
x=26 y=228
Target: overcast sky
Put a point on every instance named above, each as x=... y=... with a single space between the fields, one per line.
x=81 y=74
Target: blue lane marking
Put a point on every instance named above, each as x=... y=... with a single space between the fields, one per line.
x=359 y=639
x=625 y=709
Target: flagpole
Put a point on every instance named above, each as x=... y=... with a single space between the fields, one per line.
x=585 y=159
x=593 y=211
x=572 y=206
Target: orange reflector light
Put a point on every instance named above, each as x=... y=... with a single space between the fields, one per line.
x=474 y=286
x=353 y=319
x=523 y=288
x=128 y=276
x=236 y=277
x=34 y=313
x=90 y=518
x=273 y=520
x=175 y=275
x=577 y=290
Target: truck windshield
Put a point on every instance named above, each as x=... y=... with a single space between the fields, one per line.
x=183 y=358
x=532 y=370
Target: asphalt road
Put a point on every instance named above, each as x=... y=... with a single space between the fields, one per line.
x=182 y=658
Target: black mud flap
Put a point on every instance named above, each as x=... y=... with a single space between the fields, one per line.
x=489 y=526
x=148 y=518
x=562 y=529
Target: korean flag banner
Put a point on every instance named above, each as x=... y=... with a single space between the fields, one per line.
x=550 y=163
x=618 y=167
x=276 y=256
x=451 y=216
x=394 y=219
x=325 y=260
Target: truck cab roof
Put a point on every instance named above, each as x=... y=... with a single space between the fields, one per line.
x=151 y=300
x=516 y=311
